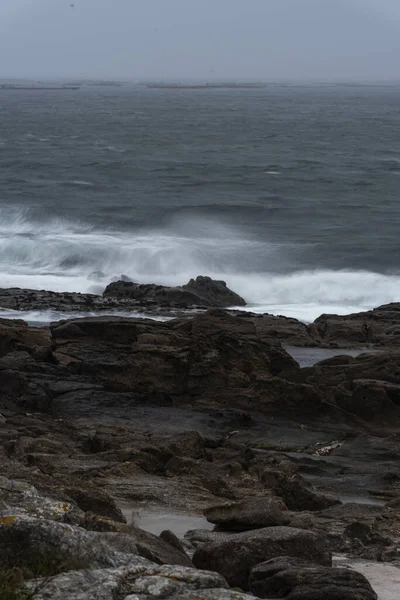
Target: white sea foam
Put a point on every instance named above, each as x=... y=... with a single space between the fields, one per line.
x=61 y=256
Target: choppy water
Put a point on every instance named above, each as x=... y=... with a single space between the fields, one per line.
x=289 y=193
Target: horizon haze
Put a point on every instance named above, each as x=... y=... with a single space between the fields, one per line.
x=212 y=40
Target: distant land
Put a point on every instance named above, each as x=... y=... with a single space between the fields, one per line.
x=8 y=86
x=200 y=86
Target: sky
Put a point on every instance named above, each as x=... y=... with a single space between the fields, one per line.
x=201 y=39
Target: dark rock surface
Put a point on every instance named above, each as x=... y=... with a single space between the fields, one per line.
x=106 y=413
x=236 y=555
x=294 y=579
x=295 y=492
x=202 y=291
x=254 y=513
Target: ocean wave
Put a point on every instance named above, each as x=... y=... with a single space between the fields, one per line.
x=60 y=255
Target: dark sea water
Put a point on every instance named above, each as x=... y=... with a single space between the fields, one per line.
x=290 y=193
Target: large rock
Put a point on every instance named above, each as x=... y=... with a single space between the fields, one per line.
x=137 y=582
x=202 y=291
x=20 y=498
x=28 y=542
x=213 y=292
x=97 y=501
x=234 y=556
x=148 y=545
x=296 y=493
x=293 y=579
x=367 y=386
x=254 y=513
x=214 y=359
x=377 y=327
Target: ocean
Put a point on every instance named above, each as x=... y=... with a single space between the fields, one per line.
x=290 y=193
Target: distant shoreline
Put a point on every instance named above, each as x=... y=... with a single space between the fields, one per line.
x=205 y=86
x=5 y=88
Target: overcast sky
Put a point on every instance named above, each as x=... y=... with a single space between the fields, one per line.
x=204 y=39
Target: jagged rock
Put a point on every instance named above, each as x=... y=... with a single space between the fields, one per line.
x=295 y=579
x=213 y=359
x=138 y=582
x=202 y=291
x=154 y=548
x=213 y=293
x=96 y=501
x=254 y=513
x=235 y=555
x=296 y=493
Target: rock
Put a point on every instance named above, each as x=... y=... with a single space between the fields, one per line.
x=213 y=359
x=149 y=546
x=254 y=513
x=235 y=555
x=171 y=539
x=137 y=582
x=202 y=291
x=96 y=501
x=296 y=494
x=294 y=579
x=17 y=335
x=379 y=327
x=20 y=498
x=213 y=293
x=28 y=542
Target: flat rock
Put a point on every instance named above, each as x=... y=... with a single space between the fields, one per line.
x=254 y=513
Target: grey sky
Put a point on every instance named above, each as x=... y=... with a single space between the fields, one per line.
x=256 y=39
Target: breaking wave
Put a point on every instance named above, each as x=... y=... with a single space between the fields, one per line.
x=63 y=256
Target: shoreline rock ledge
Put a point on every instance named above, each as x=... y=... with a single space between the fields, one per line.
x=202 y=291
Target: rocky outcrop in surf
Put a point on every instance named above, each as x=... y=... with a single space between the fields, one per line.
x=202 y=291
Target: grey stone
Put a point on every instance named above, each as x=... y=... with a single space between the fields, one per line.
x=295 y=579
x=138 y=582
x=254 y=513
x=234 y=556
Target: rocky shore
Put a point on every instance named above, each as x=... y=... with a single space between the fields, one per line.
x=204 y=414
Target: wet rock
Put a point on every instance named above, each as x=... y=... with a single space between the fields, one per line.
x=213 y=293
x=209 y=358
x=202 y=291
x=296 y=493
x=254 y=513
x=294 y=579
x=234 y=556
x=138 y=582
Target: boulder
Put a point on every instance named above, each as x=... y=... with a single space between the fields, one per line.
x=294 y=579
x=29 y=542
x=235 y=555
x=20 y=498
x=202 y=291
x=296 y=493
x=213 y=293
x=137 y=582
x=97 y=501
x=156 y=549
x=254 y=513
x=214 y=359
